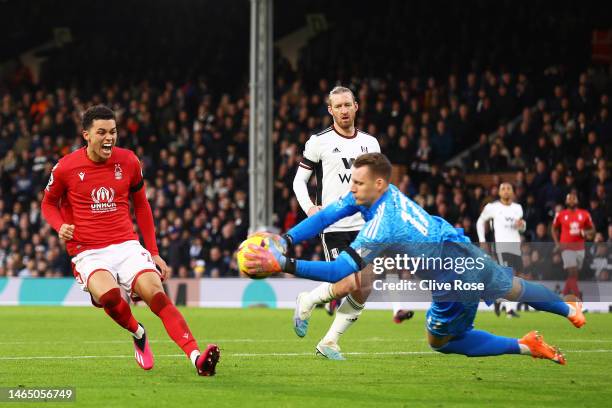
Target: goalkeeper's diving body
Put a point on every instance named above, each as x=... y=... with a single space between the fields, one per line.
x=396 y=224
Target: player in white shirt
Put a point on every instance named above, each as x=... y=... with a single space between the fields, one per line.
x=505 y=217
x=330 y=155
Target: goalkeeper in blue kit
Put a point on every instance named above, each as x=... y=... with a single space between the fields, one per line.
x=395 y=224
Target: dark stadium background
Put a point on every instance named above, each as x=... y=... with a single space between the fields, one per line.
x=522 y=83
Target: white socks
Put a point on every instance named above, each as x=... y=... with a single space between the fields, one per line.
x=397 y=306
x=139 y=332
x=346 y=315
x=510 y=306
x=319 y=295
x=194 y=356
x=524 y=350
x=572 y=310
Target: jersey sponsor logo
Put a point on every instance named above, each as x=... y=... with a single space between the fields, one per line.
x=103 y=200
x=118 y=172
x=348 y=163
x=364 y=149
x=81 y=176
x=345 y=178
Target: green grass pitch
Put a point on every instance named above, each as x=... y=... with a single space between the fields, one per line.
x=264 y=364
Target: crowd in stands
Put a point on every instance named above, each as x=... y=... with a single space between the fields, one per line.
x=192 y=138
x=196 y=164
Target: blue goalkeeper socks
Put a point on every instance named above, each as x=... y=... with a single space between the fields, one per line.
x=541 y=298
x=478 y=343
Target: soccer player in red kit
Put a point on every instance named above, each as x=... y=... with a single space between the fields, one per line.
x=87 y=201
x=575 y=225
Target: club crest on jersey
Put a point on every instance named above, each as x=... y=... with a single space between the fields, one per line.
x=103 y=200
x=118 y=172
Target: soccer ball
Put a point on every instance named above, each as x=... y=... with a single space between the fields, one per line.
x=244 y=248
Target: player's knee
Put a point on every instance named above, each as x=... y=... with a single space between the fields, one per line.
x=516 y=290
x=437 y=343
x=111 y=298
x=344 y=288
x=158 y=302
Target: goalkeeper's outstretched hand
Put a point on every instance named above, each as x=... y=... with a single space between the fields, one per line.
x=272 y=238
x=264 y=261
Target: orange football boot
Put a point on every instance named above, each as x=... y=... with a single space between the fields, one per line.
x=578 y=319
x=539 y=349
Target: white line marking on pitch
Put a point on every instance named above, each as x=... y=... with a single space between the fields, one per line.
x=370 y=339
x=355 y=353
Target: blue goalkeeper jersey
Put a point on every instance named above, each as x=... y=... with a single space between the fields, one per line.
x=396 y=225
x=393 y=223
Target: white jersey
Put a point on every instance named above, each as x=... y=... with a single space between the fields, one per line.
x=504 y=217
x=331 y=156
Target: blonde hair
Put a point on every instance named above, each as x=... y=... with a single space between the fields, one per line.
x=339 y=90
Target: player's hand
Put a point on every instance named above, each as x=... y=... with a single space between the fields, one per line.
x=66 y=232
x=313 y=210
x=277 y=239
x=261 y=260
x=519 y=224
x=163 y=267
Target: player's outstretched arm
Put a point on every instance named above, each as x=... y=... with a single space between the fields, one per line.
x=313 y=226
x=272 y=261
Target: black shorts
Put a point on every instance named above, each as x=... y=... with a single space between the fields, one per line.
x=336 y=242
x=512 y=260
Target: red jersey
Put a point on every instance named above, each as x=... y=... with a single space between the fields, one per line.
x=95 y=197
x=572 y=224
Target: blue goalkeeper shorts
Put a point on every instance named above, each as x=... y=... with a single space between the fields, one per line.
x=450 y=318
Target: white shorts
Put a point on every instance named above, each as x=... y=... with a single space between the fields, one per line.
x=125 y=261
x=572 y=259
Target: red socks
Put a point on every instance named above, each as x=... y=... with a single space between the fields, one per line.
x=174 y=322
x=118 y=309
x=571 y=286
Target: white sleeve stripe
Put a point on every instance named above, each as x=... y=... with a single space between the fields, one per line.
x=418 y=213
x=368 y=232
x=373 y=228
x=380 y=212
x=375 y=220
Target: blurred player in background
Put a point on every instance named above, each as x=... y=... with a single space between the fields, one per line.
x=87 y=201
x=397 y=224
x=330 y=154
x=575 y=225
x=506 y=220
